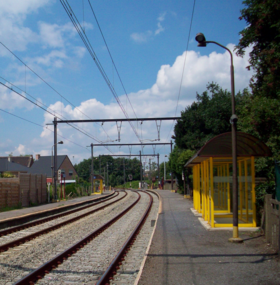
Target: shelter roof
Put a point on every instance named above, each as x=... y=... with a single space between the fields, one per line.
x=221 y=147
x=97 y=176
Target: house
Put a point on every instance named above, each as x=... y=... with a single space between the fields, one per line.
x=16 y=164
x=42 y=165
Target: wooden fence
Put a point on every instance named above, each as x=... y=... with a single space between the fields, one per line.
x=272 y=219
x=25 y=190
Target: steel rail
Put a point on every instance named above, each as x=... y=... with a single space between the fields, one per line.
x=57 y=260
x=119 y=258
x=44 y=220
x=22 y=240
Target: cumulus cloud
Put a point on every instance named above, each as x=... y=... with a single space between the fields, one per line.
x=157 y=101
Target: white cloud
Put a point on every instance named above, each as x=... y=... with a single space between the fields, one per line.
x=160 y=29
x=10 y=100
x=51 y=59
x=141 y=37
x=158 y=101
x=19 y=7
x=148 y=35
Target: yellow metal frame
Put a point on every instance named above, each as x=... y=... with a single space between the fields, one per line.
x=206 y=195
x=101 y=187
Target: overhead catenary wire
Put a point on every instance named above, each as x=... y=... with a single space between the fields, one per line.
x=40 y=126
x=38 y=102
x=92 y=53
x=180 y=86
x=42 y=79
x=51 y=113
x=111 y=57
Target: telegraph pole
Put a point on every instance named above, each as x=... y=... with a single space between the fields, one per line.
x=171 y=143
x=91 y=174
x=55 y=158
x=141 y=169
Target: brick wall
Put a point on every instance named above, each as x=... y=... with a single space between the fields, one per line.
x=66 y=166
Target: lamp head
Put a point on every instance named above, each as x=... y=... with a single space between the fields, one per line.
x=200 y=38
x=61 y=142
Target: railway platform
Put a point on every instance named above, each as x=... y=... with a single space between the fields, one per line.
x=182 y=251
x=19 y=216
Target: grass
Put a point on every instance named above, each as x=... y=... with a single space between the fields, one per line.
x=6 y=209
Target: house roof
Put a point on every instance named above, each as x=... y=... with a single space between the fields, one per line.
x=23 y=160
x=221 y=146
x=6 y=165
x=44 y=163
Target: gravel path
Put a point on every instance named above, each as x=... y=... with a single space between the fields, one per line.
x=20 y=261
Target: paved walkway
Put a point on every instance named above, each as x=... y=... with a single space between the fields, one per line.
x=184 y=252
x=32 y=210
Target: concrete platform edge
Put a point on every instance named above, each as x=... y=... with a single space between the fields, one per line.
x=149 y=244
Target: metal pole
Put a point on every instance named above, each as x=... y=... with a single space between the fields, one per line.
x=171 y=143
x=141 y=169
x=124 y=171
x=91 y=173
x=107 y=176
x=233 y=121
x=158 y=168
x=99 y=165
x=184 y=182
x=104 y=178
x=55 y=158
x=52 y=177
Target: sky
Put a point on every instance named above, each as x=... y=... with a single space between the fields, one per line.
x=149 y=58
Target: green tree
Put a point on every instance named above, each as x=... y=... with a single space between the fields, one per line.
x=262 y=34
x=178 y=159
x=206 y=118
x=259 y=115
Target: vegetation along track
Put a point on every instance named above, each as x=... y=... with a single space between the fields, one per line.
x=18 y=235
x=92 y=259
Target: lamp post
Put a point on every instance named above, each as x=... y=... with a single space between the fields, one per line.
x=200 y=38
x=164 y=168
x=53 y=172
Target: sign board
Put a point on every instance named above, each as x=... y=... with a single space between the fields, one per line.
x=59 y=174
x=130 y=176
x=63 y=175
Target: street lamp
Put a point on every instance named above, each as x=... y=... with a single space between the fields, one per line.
x=200 y=38
x=52 y=167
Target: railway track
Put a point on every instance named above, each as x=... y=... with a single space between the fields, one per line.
x=19 y=235
x=89 y=258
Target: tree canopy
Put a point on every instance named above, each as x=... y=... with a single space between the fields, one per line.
x=262 y=35
x=206 y=118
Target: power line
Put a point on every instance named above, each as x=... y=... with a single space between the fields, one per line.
x=180 y=87
x=92 y=53
x=40 y=126
x=26 y=66
x=51 y=113
x=38 y=102
x=111 y=57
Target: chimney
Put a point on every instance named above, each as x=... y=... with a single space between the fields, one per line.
x=37 y=156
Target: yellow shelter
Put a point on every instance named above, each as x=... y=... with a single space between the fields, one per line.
x=212 y=179
x=97 y=184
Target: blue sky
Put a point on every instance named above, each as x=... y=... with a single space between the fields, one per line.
x=147 y=40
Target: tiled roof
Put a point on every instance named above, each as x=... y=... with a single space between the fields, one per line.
x=6 y=165
x=43 y=165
